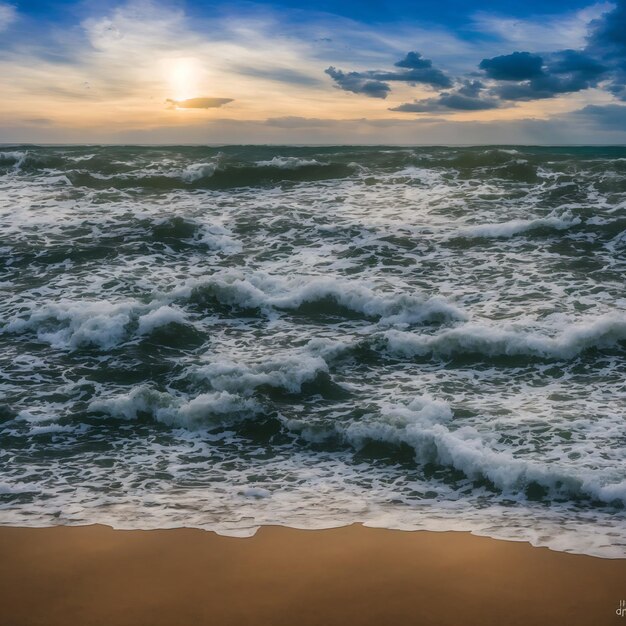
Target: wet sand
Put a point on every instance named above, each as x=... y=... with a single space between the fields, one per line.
x=354 y=576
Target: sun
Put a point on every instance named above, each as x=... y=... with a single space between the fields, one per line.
x=183 y=77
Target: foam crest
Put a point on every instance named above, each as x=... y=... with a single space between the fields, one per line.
x=208 y=410
x=425 y=424
x=602 y=332
x=213 y=236
x=160 y=317
x=73 y=324
x=287 y=163
x=392 y=308
x=515 y=227
x=289 y=372
x=198 y=171
x=232 y=298
x=259 y=291
x=330 y=349
x=14 y=158
x=219 y=238
x=69 y=325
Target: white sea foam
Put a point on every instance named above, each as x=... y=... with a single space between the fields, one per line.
x=328 y=268
x=264 y=291
x=329 y=349
x=13 y=157
x=423 y=174
x=287 y=163
x=70 y=324
x=599 y=332
x=79 y=159
x=289 y=372
x=10 y=489
x=425 y=424
x=197 y=171
x=220 y=407
x=203 y=411
x=50 y=429
x=141 y=399
x=162 y=316
x=515 y=227
x=214 y=236
x=219 y=238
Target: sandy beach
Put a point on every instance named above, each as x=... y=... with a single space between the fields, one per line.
x=94 y=575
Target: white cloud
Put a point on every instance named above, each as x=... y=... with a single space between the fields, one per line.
x=115 y=72
x=541 y=33
x=130 y=60
x=8 y=15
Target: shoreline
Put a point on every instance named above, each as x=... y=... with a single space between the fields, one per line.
x=351 y=575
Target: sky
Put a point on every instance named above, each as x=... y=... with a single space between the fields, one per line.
x=287 y=72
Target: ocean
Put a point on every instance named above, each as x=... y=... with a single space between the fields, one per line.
x=231 y=337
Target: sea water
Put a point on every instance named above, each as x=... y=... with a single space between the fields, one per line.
x=223 y=338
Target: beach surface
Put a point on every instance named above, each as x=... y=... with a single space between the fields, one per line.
x=351 y=576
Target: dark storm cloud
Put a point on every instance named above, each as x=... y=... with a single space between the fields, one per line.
x=610 y=117
x=424 y=75
x=545 y=86
x=414 y=60
x=523 y=76
x=414 y=69
x=357 y=83
x=569 y=61
x=608 y=36
x=607 y=42
x=508 y=78
x=467 y=97
x=618 y=86
x=516 y=66
x=566 y=71
x=526 y=76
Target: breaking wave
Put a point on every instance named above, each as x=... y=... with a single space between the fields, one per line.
x=317 y=295
x=226 y=337
x=603 y=332
x=515 y=227
x=70 y=325
x=424 y=425
x=208 y=409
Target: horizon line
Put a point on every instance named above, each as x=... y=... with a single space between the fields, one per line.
x=310 y=145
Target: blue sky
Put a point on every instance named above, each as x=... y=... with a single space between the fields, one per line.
x=452 y=13
x=292 y=72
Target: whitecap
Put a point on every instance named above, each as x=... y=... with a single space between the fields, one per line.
x=204 y=411
x=473 y=338
x=287 y=163
x=514 y=227
x=160 y=317
x=264 y=291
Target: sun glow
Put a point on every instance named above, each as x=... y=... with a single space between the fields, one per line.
x=183 y=75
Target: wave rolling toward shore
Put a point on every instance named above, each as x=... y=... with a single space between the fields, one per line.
x=226 y=338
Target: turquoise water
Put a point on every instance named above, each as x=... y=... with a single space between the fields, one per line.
x=237 y=336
